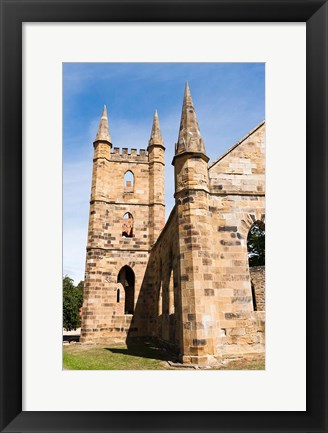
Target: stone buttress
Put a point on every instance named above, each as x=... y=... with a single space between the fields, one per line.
x=191 y=196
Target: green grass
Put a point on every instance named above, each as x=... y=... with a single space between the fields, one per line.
x=113 y=357
x=139 y=357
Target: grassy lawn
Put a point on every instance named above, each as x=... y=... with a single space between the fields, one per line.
x=141 y=357
x=113 y=357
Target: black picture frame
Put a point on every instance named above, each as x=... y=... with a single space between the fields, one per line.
x=13 y=14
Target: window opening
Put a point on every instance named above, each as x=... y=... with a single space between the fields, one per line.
x=256 y=244
x=128 y=181
x=127 y=225
x=127 y=279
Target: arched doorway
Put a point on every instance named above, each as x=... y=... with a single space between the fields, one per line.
x=127 y=279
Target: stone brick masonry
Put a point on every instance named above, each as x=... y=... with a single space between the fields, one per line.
x=185 y=284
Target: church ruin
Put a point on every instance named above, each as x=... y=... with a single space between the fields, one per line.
x=186 y=283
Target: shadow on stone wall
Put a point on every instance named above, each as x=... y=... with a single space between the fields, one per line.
x=257 y=275
x=149 y=324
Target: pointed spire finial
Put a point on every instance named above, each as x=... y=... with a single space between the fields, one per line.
x=103 y=130
x=156 y=136
x=187 y=90
x=189 y=135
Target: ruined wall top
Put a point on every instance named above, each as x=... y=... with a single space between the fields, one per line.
x=241 y=170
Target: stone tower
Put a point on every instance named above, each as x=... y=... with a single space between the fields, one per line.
x=194 y=241
x=127 y=214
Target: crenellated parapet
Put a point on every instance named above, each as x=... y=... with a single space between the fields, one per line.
x=129 y=155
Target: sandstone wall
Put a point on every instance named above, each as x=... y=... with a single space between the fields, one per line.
x=237 y=200
x=257 y=274
x=242 y=168
x=103 y=316
x=232 y=217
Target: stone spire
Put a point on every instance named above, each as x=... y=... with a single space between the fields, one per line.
x=156 y=136
x=103 y=131
x=189 y=139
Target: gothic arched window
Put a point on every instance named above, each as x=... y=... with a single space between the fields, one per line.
x=128 y=181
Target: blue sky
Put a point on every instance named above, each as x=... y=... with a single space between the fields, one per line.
x=229 y=100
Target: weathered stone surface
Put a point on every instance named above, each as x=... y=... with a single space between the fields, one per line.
x=103 y=130
x=192 y=285
x=257 y=274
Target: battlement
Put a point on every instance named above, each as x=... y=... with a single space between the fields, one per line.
x=127 y=155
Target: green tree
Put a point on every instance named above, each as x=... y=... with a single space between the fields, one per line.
x=72 y=302
x=256 y=245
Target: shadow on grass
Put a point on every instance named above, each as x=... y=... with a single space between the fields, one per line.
x=144 y=351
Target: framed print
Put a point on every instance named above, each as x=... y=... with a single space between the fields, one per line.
x=43 y=45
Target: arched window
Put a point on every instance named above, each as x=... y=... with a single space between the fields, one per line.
x=128 y=181
x=256 y=261
x=127 y=225
x=127 y=279
x=256 y=244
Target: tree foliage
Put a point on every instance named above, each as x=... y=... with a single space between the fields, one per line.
x=72 y=302
x=256 y=245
